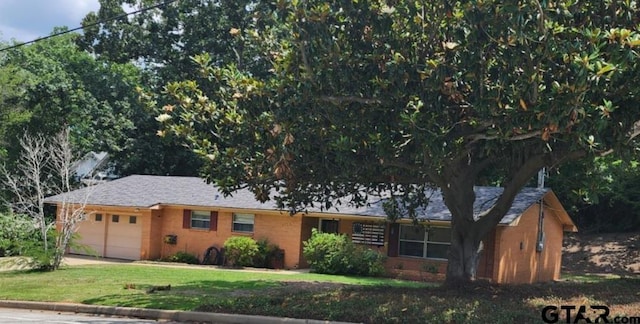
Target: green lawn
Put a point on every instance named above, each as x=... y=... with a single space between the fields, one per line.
x=370 y=300
x=127 y=285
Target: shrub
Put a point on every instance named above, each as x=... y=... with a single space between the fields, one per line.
x=182 y=257
x=336 y=254
x=20 y=236
x=240 y=251
x=325 y=252
x=17 y=233
x=266 y=253
x=366 y=262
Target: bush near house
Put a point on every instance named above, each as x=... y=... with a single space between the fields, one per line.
x=267 y=255
x=182 y=257
x=239 y=251
x=336 y=254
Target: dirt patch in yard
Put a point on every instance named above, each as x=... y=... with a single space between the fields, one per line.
x=608 y=253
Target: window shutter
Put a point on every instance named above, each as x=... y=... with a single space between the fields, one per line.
x=213 y=221
x=186 y=218
x=394 y=235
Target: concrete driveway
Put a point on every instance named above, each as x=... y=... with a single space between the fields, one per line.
x=74 y=259
x=15 y=263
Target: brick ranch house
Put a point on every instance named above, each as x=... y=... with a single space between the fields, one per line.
x=132 y=217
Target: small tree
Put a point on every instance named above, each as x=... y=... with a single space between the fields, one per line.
x=45 y=169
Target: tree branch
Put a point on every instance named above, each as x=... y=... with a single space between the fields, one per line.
x=435 y=178
x=520 y=177
x=520 y=137
x=635 y=130
x=349 y=99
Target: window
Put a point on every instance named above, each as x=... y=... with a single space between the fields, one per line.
x=243 y=223
x=200 y=219
x=115 y=218
x=133 y=219
x=329 y=226
x=432 y=243
x=98 y=217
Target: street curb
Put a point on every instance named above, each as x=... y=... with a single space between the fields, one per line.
x=157 y=314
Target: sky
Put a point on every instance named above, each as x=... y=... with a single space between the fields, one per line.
x=26 y=20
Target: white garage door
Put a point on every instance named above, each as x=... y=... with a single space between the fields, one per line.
x=90 y=235
x=124 y=237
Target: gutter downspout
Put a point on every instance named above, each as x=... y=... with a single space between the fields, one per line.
x=541 y=236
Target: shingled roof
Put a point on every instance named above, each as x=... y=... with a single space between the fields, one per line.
x=145 y=191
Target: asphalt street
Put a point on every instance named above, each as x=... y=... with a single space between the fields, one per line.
x=11 y=316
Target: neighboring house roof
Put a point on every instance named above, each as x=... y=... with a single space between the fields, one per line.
x=145 y=191
x=89 y=163
x=93 y=168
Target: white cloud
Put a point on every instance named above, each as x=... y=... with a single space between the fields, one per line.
x=26 y=20
x=77 y=9
x=8 y=33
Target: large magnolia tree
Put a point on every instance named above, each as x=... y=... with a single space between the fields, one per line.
x=370 y=95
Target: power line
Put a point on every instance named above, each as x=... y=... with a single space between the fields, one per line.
x=90 y=25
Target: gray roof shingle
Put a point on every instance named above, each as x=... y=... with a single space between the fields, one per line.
x=144 y=191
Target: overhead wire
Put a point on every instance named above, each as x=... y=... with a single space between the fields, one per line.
x=126 y=14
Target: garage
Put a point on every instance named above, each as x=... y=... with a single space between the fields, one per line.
x=91 y=235
x=124 y=237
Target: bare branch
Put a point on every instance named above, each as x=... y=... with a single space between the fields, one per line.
x=520 y=137
x=45 y=168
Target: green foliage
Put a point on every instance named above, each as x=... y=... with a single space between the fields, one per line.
x=325 y=252
x=53 y=84
x=336 y=254
x=20 y=237
x=17 y=232
x=443 y=93
x=182 y=257
x=267 y=253
x=164 y=39
x=239 y=251
x=36 y=258
x=605 y=198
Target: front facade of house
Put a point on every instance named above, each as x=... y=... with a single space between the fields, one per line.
x=120 y=225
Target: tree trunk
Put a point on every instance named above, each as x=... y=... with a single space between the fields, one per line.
x=466 y=232
x=464 y=254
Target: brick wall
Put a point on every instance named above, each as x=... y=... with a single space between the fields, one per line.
x=277 y=228
x=516 y=249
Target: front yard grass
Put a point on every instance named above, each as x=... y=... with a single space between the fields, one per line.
x=128 y=285
x=314 y=296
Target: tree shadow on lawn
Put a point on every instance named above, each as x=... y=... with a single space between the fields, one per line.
x=381 y=304
x=178 y=297
x=615 y=253
x=621 y=295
